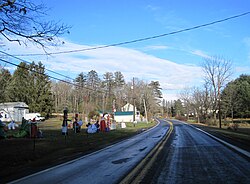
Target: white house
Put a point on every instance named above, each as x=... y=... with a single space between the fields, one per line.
x=126 y=114
x=13 y=111
x=128 y=107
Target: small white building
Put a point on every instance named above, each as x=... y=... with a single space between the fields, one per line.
x=126 y=114
x=13 y=111
x=128 y=107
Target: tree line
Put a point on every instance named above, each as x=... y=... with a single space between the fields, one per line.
x=87 y=93
x=218 y=98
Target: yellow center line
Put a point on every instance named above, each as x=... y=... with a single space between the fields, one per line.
x=139 y=172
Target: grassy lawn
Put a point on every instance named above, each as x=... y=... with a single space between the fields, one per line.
x=28 y=155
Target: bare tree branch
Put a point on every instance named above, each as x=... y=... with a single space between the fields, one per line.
x=22 y=20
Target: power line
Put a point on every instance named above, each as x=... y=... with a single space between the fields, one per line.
x=31 y=63
x=142 y=39
x=50 y=76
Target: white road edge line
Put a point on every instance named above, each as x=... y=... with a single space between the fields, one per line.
x=244 y=152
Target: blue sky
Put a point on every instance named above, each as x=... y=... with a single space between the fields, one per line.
x=174 y=60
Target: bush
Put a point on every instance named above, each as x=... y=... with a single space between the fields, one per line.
x=233 y=126
x=181 y=118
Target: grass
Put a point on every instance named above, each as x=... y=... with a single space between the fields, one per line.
x=29 y=155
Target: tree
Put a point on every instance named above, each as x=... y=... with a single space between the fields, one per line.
x=62 y=95
x=94 y=82
x=217 y=71
x=119 y=83
x=5 y=79
x=156 y=89
x=23 y=21
x=178 y=108
x=41 y=99
x=80 y=95
x=236 y=97
x=108 y=85
x=186 y=97
x=19 y=87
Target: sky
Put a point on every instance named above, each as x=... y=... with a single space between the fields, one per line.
x=173 y=60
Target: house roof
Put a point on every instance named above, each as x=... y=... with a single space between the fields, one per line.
x=126 y=113
x=14 y=105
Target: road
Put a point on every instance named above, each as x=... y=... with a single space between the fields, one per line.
x=109 y=165
x=193 y=157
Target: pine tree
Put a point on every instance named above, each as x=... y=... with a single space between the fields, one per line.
x=80 y=96
x=108 y=84
x=94 y=83
x=119 y=84
x=40 y=90
x=5 y=79
x=18 y=88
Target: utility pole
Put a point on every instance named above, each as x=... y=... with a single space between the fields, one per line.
x=146 y=113
x=133 y=85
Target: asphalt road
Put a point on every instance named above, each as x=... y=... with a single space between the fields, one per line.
x=193 y=157
x=109 y=165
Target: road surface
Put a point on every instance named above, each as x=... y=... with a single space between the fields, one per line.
x=193 y=157
x=109 y=165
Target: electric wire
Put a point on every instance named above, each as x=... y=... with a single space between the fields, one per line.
x=31 y=63
x=115 y=44
x=8 y=62
x=142 y=39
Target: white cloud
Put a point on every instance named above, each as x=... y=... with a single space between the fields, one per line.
x=242 y=69
x=152 y=8
x=156 y=47
x=131 y=63
x=200 y=53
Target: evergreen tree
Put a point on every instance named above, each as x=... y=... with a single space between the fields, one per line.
x=18 y=88
x=178 y=108
x=236 y=97
x=93 y=80
x=156 y=88
x=119 y=80
x=94 y=83
x=42 y=100
x=108 y=84
x=119 y=85
x=80 y=81
x=81 y=95
x=5 y=79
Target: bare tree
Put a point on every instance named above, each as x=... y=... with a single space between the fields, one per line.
x=186 y=97
x=217 y=71
x=22 y=21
